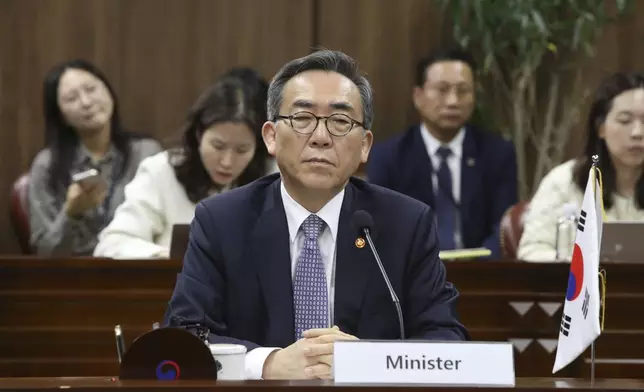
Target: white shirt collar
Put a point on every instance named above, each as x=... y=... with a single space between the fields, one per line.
x=296 y=214
x=433 y=144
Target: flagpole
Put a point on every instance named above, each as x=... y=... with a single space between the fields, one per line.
x=595 y=159
x=592 y=364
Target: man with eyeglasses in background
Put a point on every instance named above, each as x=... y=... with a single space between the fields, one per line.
x=277 y=265
x=467 y=175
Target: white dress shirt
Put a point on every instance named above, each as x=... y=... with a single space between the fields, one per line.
x=295 y=216
x=154 y=202
x=453 y=162
x=142 y=224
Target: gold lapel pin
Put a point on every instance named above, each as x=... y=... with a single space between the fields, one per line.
x=471 y=162
x=359 y=243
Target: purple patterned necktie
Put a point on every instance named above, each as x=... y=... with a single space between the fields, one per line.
x=310 y=299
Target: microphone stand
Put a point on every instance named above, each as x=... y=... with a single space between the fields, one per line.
x=394 y=297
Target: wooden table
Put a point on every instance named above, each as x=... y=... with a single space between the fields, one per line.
x=57 y=316
x=96 y=384
x=523 y=302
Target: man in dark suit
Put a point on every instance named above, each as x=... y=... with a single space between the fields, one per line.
x=467 y=175
x=276 y=265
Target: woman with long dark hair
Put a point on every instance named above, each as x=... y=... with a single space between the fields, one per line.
x=615 y=132
x=222 y=148
x=83 y=132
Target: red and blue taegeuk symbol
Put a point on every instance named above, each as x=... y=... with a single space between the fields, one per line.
x=576 y=278
x=168 y=370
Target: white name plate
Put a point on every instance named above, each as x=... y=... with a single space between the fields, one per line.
x=424 y=362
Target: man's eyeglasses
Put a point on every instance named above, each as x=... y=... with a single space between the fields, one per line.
x=306 y=123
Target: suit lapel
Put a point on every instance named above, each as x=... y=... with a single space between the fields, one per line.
x=470 y=179
x=352 y=264
x=422 y=169
x=270 y=250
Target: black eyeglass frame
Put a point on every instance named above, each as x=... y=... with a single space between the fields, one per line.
x=317 y=122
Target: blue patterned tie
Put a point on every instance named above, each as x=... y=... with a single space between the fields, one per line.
x=445 y=208
x=309 y=284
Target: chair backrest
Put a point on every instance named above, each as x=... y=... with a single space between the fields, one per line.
x=512 y=228
x=19 y=211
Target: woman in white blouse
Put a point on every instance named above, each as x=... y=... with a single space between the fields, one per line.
x=615 y=127
x=222 y=148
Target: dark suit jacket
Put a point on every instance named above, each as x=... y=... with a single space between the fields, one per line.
x=236 y=275
x=488 y=187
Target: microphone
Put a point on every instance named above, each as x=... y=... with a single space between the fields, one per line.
x=363 y=221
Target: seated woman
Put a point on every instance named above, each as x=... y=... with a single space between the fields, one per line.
x=83 y=131
x=258 y=85
x=222 y=148
x=615 y=127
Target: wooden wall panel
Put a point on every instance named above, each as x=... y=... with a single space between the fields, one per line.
x=158 y=54
x=172 y=49
x=387 y=38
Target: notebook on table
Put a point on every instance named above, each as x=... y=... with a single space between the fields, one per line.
x=179 y=241
x=622 y=241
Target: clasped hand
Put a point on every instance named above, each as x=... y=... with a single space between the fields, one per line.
x=309 y=358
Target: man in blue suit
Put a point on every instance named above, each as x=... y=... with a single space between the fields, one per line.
x=277 y=265
x=468 y=176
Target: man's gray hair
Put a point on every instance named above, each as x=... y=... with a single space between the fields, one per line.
x=323 y=60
